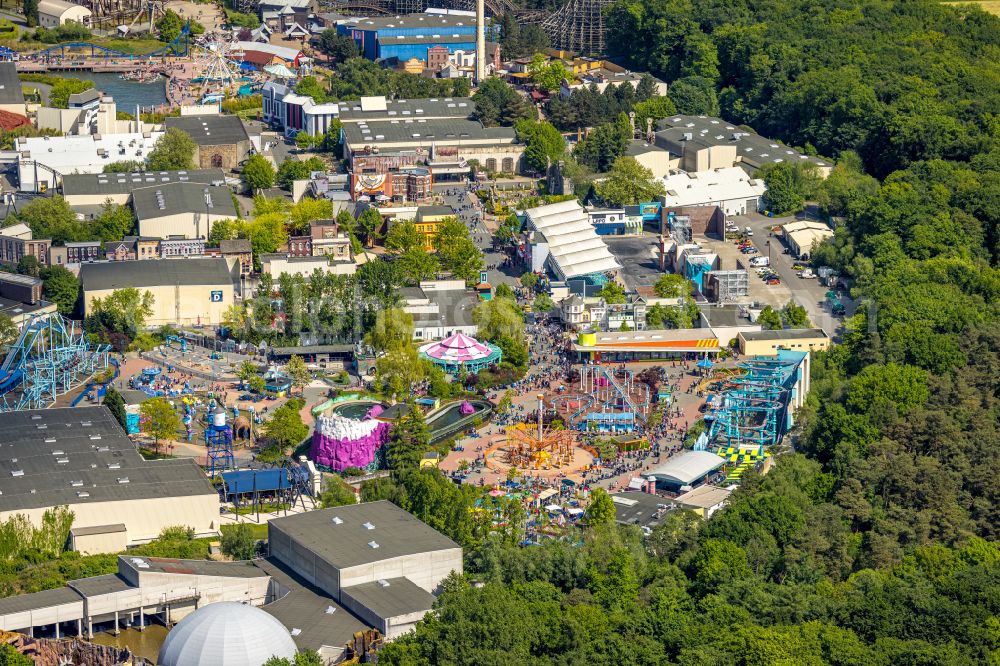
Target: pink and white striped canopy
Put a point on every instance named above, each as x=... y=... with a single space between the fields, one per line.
x=458 y=348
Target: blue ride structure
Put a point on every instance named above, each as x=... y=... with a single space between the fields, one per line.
x=179 y=47
x=49 y=359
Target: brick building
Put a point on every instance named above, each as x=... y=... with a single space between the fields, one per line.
x=223 y=142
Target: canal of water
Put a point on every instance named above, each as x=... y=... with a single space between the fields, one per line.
x=125 y=93
x=145 y=643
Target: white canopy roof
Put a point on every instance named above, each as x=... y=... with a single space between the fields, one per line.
x=687 y=467
x=574 y=245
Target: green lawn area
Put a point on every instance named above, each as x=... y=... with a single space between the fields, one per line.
x=258 y=531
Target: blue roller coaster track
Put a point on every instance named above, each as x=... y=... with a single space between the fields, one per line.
x=179 y=47
x=50 y=358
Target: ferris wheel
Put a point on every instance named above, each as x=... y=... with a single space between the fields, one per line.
x=214 y=63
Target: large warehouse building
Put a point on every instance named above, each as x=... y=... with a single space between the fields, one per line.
x=562 y=239
x=332 y=574
x=81 y=458
x=190 y=291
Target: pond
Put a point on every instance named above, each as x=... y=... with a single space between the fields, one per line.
x=127 y=94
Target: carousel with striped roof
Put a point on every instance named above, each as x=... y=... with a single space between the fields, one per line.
x=460 y=353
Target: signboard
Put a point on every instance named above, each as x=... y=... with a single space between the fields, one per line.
x=216 y=296
x=482 y=277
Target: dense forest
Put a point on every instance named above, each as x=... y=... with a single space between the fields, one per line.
x=875 y=543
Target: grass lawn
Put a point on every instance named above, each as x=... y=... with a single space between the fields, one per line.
x=991 y=6
x=258 y=531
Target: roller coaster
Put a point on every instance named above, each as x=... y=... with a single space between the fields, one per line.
x=50 y=358
x=179 y=47
x=753 y=410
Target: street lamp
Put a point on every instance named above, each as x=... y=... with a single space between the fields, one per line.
x=768 y=251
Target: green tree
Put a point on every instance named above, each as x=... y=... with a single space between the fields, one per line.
x=63 y=88
x=601 y=510
x=544 y=143
x=30 y=8
x=671 y=285
x=499 y=104
x=169 y=25
x=29 y=265
x=604 y=144
x=60 y=286
x=337 y=47
x=299 y=372
x=8 y=331
x=369 y=224
x=392 y=329
x=159 y=419
x=783 y=193
x=336 y=492
x=238 y=542
x=9 y=656
x=53 y=218
x=499 y=318
x=548 y=74
x=457 y=251
x=529 y=280
x=116 y=405
x=399 y=369
x=653 y=108
x=304 y=141
x=409 y=439
x=125 y=166
x=769 y=318
x=129 y=305
x=258 y=173
x=174 y=150
x=629 y=183
x=114 y=223
x=795 y=316
x=285 y=429
x=403 y=237
x=291 y=170
x=902 y=387
x=612 y=293
x=542 y=303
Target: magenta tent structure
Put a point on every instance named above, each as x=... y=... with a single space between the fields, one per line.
x=460 y=352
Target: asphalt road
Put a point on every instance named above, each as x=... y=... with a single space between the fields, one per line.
x=471 y=213
x=810 y=294
x=638 y=256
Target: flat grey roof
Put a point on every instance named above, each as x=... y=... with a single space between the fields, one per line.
x=312 y=349
x=708 y=131
x=98 y=529
x=196 y=271
x=38 y=600
x=638 y=508
x=430 y=130
x=306 y=607
x=199 y=567
x=346 y=545
x=211 y=130
x=788 y=334
x=400 y=596
x=10 y=85
x=427 y=211
x=71 y=456
x=162 y=200
x=455 y=308
x=123 y=183
x=13 y=308
x=88 y=95
x=417 y=20
x=95 y=586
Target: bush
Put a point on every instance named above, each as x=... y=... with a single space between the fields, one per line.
x=239 y=542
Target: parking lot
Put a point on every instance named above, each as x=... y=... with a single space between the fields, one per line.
x=810 y=294
x=639 y=258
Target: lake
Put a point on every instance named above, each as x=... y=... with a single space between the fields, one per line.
x=126 y=93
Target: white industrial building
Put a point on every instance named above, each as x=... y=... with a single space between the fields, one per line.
x=331 y=574
x=53 y=13
x=562 y=239
x=181 y=209
x=81 y=458
x=729 y=188
x=803 y=235
x=685 y=469
x=42 y=161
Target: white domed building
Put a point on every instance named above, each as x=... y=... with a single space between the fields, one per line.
x=226 y=634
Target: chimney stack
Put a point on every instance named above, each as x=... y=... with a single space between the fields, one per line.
x=480 y=41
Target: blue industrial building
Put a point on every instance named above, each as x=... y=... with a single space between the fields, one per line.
x=406 y=37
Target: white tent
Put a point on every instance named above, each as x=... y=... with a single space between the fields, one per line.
x=687 y=467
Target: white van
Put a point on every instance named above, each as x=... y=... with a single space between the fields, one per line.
x=748 y=231
x=757 y=262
